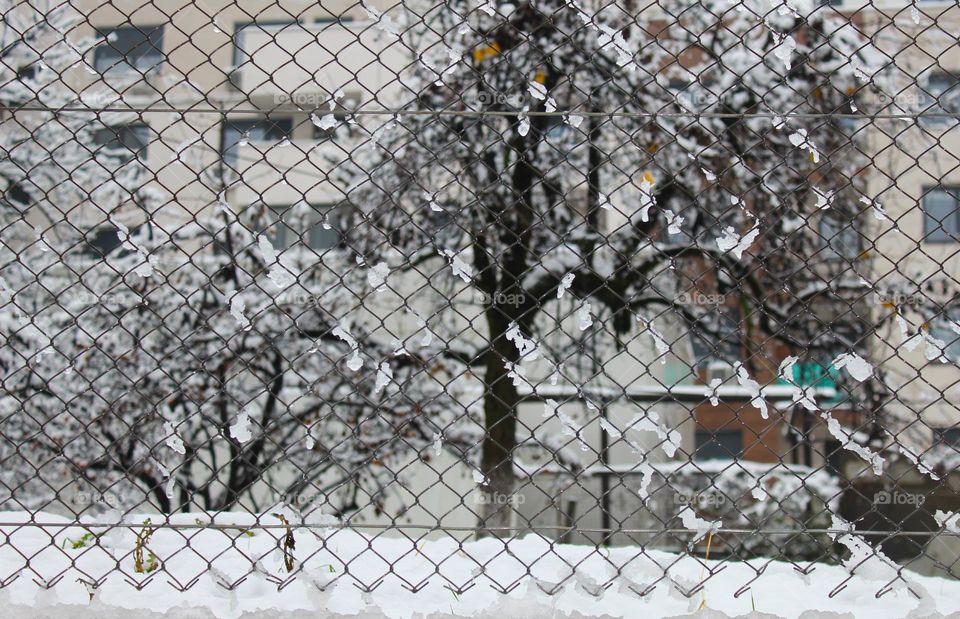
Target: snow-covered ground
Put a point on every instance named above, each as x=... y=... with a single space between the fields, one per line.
x=331 y=565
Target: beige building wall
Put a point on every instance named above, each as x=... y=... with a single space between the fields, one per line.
x=292 y=68
x=913 y=157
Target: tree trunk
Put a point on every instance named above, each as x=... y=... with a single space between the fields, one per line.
x=499 y=443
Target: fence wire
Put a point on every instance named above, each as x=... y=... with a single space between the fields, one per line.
x=668 y=283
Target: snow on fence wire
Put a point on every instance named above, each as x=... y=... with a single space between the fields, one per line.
x=479 y=307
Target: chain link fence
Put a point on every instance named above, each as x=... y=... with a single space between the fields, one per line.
x=627 y=301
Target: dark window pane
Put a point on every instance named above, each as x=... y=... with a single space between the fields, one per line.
x=324 y=233
x=125 y=141
x=941 y=95
x=316 y=227
x=128 y=49
x=725 y=345
x=948 y=436
x=940 y=217
x=102 y=241
x=944 y=328
x=719 y=445
x=262 y=130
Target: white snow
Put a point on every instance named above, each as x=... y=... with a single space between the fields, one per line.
x=674 y=221
x=173 y=440
x=278 y=274
x=878 y=212
x=342 y=331
x=384 y=376
x=330 y=561
x=460 y=268
x=565 y=284
x=849 y=443
x=702 y=527
x=801 y=395
x=237 y=308
x=858 y=367
x=650 y=422
x=823 y=199
x=240 y=430
x=949 y=521
x=784 y=50
x=584 y=318
x=752 y=387
x=537 y=90
x=659 y=343
x=733 y=242
x=800 y=140
x=377 y=276
x=524 y=127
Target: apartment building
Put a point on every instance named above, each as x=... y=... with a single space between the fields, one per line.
x=232 y=87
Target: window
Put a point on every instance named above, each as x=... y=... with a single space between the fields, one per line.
x=941 y=95
x=724 y=346
x=839 y=238
x=948 y=436
x=941 y=219
x=718 y=445
x=314 y=224
x=946 y=328
x=236 y=133
x=102 y=241
x=129 y=49
x=124 y=141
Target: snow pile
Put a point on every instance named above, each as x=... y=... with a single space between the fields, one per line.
x=240 y=568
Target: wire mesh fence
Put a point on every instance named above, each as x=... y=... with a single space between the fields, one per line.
x=609 y=298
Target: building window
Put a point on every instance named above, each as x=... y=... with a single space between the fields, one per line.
x=839 y=238
x=124 y=141
x=129 y=49
x=316 y=225
x=718 y=445
x=102 y=241
x=717 y=338
x=941 y=95
x=948 y=436
x=946 y=328
x=236 y=133
x=941 y=219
